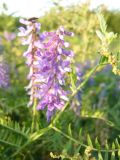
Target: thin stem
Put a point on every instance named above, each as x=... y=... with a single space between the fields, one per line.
x=67 y=136
x=79 y=143
x=39 y=133
x=34 y=116
x=109 y=123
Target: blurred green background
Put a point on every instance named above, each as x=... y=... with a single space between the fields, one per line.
x=97 y=103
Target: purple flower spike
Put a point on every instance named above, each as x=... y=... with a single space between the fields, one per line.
x=49 y=63
x=4 y=75
x=31 y=38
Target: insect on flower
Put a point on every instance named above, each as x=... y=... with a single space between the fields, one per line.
x=33 y=19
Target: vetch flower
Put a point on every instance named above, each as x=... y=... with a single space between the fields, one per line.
x=49 y=63
x=31 y=38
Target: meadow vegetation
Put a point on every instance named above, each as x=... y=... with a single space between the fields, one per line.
x=88 y=127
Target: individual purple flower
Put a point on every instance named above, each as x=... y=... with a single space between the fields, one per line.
x=4 y=75
x=49 y=61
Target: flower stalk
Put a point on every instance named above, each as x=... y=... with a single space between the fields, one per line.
x=49 y=59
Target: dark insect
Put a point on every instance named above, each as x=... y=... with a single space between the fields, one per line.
x=33 y=19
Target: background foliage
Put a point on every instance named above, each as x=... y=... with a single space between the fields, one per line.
x=89 y=128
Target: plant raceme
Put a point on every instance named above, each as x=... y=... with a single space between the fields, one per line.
x=49 y=61
x=4 y=75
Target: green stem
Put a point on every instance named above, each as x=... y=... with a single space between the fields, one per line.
x=39 y=133
x=107 y=122
x=34 y=118
x=79 y=143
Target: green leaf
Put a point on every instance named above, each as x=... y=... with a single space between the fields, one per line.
x=73 y=78
x=97 y=144
x=106 y=156
x=77 y=150
x=106 y=153
x=102 y=21
x=113 y=153
x=110 y=37
x=69 y=130
x=100 y=35
x=80 y=135
x=113 y=146
x=118 y=146
x=117 y=143
x=12 y=136
x=89 y=141
x=100 y=156
x=103 y=60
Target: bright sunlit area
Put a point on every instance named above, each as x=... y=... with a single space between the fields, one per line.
x=60 y=79
x=30 y=8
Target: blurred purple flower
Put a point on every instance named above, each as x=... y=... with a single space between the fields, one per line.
x=0 y=40
x=4 y=75
x=107 y=69
x=49 y=61
x=9 y=36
